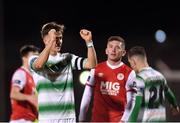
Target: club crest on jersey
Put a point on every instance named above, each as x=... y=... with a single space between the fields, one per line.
x=120 y=76
x=100 y=74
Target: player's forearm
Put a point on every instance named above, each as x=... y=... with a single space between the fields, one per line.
x=171 y=97
x=18 y=96
x=42 y=59
x=85 y=103
x=91 y=58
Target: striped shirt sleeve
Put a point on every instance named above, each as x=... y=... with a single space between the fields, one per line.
x=131 y=89
x=31 y=61
x=78 y=62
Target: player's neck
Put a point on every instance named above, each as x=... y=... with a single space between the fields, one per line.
x=114 y=63
x=142 y=66
x=53 y=53
x=25 y=67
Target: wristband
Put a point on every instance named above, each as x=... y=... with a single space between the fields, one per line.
x=89 y=44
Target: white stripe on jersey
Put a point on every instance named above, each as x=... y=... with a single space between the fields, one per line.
x=79 y=63
x=56 y=96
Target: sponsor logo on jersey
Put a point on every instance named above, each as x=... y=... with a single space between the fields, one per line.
x=120 y=76
x=110 y=88
x=17 y=81
x=88 y=78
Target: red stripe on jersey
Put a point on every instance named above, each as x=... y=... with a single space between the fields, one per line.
x=90 y=85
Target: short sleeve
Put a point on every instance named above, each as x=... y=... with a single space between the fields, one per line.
x=131 y=84
x=19 y=79
x=78 y=62
x=31 y=61
x=140 y=85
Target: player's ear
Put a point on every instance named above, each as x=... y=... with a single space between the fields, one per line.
x=123 y=52
x=134 y=60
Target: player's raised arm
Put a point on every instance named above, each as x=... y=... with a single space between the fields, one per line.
x=49 y=41
x=91 y=53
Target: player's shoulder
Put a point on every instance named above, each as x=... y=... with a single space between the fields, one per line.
x=158 y=73
x=126 y=68
x=101 y=64
x=19 y=71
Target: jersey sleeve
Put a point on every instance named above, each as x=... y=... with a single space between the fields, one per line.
x=131 y=88
x=170 y=95
x=140 y=85
x=90 y=81
x=31 y=61
x=19 y=79
x=138 y=99
x=77 y=62
x=86 y=99
x=131 y=84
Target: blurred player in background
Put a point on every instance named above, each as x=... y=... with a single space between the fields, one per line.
x=55 y=75
x=23 y=98
x=112 y=86
x=155 y=90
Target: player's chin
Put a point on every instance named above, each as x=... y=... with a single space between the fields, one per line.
x=58 y=49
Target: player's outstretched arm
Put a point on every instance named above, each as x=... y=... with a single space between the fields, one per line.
x=91 y=53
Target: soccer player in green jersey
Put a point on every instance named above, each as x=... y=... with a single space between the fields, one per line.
x=155 y=90
x=55 y=74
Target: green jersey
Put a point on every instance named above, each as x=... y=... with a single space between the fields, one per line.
x=55 y=87
x=154 y=93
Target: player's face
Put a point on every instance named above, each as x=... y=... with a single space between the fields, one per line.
x=57 y=46
x=115 y=51
x=132 y=63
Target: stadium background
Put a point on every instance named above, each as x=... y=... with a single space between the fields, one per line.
x=135 y=21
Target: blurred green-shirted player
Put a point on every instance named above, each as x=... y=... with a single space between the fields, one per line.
x=155 y=89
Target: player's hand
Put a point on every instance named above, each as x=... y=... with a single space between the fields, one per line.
x=86 y=35
x=51 y=37
x=174 y=110
x=52 y=34
x=33 y=99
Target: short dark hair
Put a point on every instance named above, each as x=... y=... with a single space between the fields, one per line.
x=51 y=25
x=137 y=50
x=117 y=38
x=25 y=49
